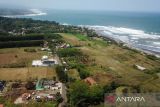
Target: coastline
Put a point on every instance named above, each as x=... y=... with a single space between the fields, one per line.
x=148 y=52
x=34 y=12
x=101 y=32
x=125 y=44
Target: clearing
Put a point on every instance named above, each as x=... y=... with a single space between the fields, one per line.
x=110 y=59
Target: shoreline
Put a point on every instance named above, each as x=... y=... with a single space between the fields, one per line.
x=118 y=41
x=99 y=32
x=148 y=52
x=34 y=12
x=27 y=15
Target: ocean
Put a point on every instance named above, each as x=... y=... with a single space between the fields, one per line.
x=138 y=29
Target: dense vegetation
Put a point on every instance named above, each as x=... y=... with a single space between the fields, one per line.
x=81 y=95
x=68 y=52
x=27 y=40
x=21 y=38
x=17 y=25
x=62 y=75
x=12 y=44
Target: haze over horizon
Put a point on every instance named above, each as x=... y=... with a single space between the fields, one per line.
x=106 y=5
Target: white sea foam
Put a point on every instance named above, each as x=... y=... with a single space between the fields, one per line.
x=65 y=24
x=134 y=37
x=156 y=43
x=126 y=31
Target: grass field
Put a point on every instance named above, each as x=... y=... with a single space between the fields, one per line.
x=81 y=37
x=26 y=73
x=116 y=61
x=74 y=40
x=18 y=55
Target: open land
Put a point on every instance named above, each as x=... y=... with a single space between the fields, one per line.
x=110 y=61
x=15 y=56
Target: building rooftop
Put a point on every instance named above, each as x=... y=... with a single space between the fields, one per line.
x=90 y=81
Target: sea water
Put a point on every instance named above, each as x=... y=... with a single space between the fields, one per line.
x=138 y=29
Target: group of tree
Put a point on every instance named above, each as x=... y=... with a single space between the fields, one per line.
x=9 y=24
x=13 y=44
x=62 y=75
x=17 y=25
x=83 y=95
x=21 y=38
x=83 y=72
x=68 y=52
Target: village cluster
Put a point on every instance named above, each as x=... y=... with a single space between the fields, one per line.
x=39 y=90
x=42 y=89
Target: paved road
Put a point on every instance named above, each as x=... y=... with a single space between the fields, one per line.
x=64 y=92
x=58 y=60
x=64 y=96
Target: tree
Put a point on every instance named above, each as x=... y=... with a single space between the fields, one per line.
x=2 y=100
x=96 y=94
x=63 y=77
x=59 y=98
x=83 y=73
x=78 y=91
x=111 y=87
x=30 y=85
x=82 y=95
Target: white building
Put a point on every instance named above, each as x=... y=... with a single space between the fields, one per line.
x=44 y=62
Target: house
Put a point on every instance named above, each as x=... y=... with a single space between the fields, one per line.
x=45 y=49
x=2 y=85
x=90 y=81
x=65 y=45
x=54 y=86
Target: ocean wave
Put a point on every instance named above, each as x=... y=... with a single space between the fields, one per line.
x=65 y=24
x=126 y=31
x=156 y=43
x=137 y=38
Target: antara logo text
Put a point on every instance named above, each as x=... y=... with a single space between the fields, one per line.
x=116 y=99
x=130 y=99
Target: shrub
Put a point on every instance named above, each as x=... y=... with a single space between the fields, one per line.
x=152 y=57
x=83 y=73
x=14 y=65
x=61 y=74
x=11 y=44
x=68 y=52
x=30 y=85
x=30 y=50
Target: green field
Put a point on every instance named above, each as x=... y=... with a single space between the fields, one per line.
x=109 y=61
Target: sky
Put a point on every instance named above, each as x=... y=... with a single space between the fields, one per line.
x=113 y=5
